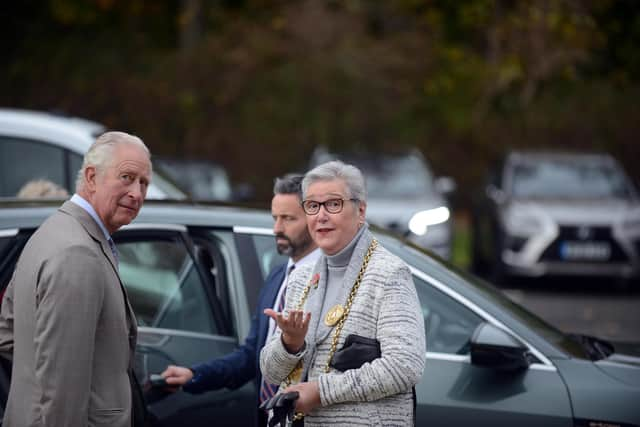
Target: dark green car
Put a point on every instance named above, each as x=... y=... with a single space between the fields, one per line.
x=193 y=275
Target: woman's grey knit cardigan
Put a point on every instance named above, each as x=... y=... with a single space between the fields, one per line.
x=386 y=307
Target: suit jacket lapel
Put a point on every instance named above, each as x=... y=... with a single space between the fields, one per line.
x=350 y=276
x=98 y=236
x=92 y=228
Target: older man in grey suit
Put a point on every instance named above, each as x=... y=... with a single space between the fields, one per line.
x=65 y=317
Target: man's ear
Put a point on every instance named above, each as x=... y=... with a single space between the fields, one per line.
x=90 y=177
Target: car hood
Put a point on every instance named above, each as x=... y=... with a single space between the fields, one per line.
x=603 y=211
x=624 y=364
x=395 y=213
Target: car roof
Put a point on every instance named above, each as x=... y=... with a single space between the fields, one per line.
x=546 y=155
x=322 y=154
x=73 y=133
x=22 y=214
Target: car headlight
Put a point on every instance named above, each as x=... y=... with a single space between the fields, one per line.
x=420 y=221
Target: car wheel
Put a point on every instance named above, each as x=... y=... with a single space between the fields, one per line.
x=623 y=285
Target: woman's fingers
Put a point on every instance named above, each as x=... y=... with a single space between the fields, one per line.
x=307 y=318
x=296 y=319
x=271 y=313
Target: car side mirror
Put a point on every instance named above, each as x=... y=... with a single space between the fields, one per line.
x=445 y=185
x=492 y=347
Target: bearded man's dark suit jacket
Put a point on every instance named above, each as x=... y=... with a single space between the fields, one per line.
x=235 y=369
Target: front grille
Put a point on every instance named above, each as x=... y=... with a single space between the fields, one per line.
x=584 y=235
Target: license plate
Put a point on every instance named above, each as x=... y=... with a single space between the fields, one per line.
x=591 y=251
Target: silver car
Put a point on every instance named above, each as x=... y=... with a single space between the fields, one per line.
x=547 y=213
x=403 y=195
x=40 y=145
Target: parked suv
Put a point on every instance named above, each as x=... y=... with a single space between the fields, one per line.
x=548 y=213
x=403 y=195
x=39 y=145
x=193 y=274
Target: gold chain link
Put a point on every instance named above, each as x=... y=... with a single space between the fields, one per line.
x=347 y=308
x=336 y=334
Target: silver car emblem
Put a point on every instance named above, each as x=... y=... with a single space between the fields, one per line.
x=584 y=232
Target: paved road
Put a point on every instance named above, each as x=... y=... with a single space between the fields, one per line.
x=583 y=307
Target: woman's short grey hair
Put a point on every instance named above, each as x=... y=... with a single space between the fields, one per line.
x=100 y=154
x=336 y=169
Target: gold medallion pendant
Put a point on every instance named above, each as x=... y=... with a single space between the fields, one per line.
x=334 y=315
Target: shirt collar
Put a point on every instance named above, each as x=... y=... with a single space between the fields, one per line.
x=310 y=257
x=80 y=201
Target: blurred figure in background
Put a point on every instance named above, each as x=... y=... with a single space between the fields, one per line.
x=42 y=188
x=236 y=369
x=66 y=321
x=356 y=293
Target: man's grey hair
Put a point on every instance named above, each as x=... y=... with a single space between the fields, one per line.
x=336 y=169
x=289 y=184
x=100 y=154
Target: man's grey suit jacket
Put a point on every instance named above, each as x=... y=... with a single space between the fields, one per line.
x=67 y=320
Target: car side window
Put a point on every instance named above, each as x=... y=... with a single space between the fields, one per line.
x=448 y=324
x=268 y=256
x=260 y=256
x=22 y=161
x=75 y=163
x=163 y=284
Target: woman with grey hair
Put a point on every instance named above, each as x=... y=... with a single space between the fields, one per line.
x=351 y=339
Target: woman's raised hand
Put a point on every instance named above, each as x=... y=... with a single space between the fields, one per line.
x=293 y=326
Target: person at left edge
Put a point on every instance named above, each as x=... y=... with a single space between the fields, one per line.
x=235 y=369
x=66 y=320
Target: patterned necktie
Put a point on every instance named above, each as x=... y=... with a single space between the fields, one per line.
x=114 y=251
x=268 y=390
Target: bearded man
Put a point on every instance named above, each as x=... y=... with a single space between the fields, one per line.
x=243 y=364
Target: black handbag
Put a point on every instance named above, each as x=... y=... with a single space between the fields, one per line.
x=283 y=405
x=356 y=351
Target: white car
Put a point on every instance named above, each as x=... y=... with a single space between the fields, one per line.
x=558 y=214
x=403 y=195
x=39 y=145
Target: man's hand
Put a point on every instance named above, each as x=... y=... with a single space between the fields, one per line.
x=309 y=396
x=177 y=376
x=294 y=327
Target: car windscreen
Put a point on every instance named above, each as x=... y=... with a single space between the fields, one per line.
x=164 y=189
x=568 y=179
x=394 y=176
x=203 y=181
